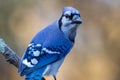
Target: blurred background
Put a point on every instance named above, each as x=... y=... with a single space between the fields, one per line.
x=96 y=54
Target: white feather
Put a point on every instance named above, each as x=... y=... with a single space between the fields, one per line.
x=25 y=61
x=52 y=69
x=36 y=53
x=34 y=61
x=49 y=51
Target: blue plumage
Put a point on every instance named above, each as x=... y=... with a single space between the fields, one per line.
x=47 y=50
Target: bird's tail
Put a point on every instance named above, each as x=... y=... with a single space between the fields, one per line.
x=36 y=75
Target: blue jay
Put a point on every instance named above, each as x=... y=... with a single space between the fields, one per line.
x=48 y=49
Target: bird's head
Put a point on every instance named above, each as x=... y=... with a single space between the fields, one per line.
x=69 y=20
x=70 y=16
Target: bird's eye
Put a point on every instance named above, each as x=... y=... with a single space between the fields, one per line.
x=67 y=16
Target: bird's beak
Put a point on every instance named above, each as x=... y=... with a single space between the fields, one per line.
x=77 y=20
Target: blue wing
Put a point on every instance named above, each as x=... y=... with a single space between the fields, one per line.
x=47 y=47
x=37 y=56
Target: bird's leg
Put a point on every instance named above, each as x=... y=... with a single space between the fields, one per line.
x=43 y=78
x=54 y=77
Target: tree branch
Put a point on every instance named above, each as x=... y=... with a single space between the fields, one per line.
x=9 y=54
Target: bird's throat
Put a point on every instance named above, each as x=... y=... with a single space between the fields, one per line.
x=70 y=34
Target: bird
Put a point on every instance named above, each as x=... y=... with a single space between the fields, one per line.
x=49 y=47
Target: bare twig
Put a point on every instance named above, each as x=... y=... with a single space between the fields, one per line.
x=9 y=54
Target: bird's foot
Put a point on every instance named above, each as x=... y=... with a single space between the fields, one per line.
x=43 y=78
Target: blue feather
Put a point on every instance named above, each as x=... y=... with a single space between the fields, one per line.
x=35 y=75
x=46 y=40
